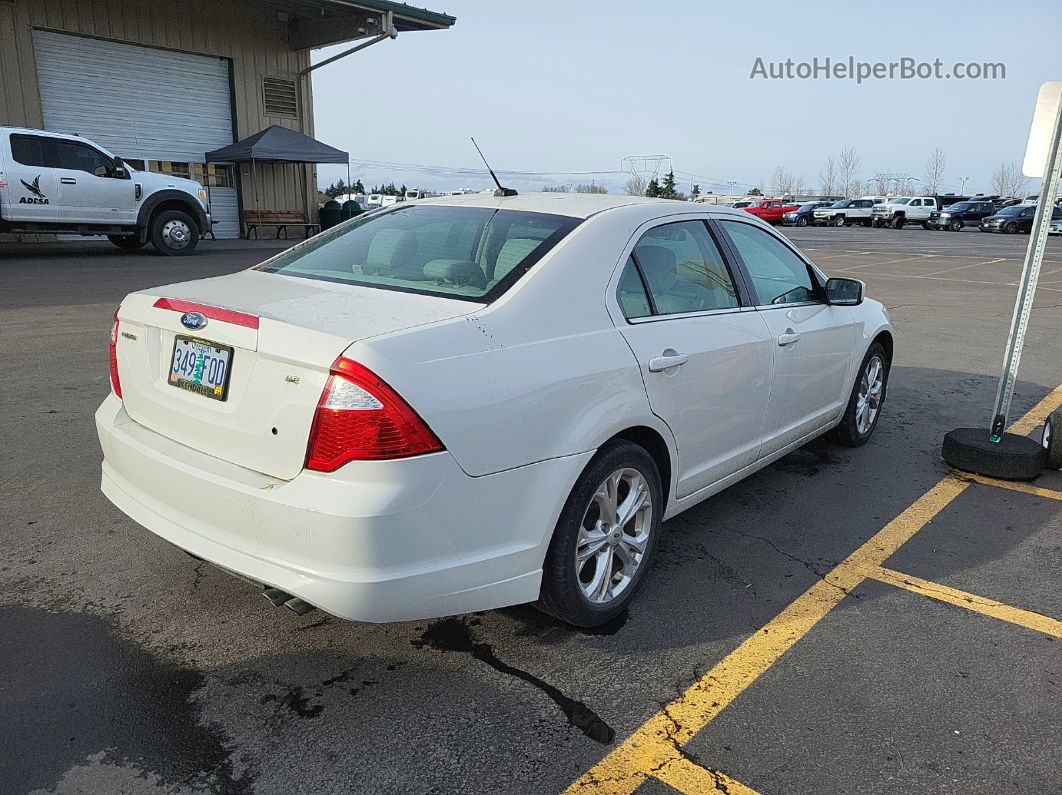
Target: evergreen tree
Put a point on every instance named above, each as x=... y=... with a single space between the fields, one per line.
x=696 y=191
x=652 y=190
x=667 y=190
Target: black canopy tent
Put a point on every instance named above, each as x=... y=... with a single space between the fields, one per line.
x=277 y=144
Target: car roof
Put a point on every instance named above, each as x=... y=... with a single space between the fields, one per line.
x=575 y=205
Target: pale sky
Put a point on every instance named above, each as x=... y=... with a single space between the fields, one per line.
x=577 y=86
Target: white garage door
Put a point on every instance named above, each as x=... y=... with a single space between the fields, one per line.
x=142 y=103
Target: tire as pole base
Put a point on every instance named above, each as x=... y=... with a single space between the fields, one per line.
x=1012 y=458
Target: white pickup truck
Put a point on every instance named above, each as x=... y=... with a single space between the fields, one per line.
x=65 y=184
x=847 y=211
x=900 y=210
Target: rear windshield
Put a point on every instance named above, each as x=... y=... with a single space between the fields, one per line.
x=471 y=253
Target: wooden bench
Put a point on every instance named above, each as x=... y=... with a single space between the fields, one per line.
x=279 y=220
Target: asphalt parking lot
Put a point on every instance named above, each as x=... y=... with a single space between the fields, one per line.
x=842 y=621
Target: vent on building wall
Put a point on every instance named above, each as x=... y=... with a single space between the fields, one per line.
x=281 y=98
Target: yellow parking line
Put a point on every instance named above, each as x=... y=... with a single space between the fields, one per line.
x=979 y=604
x=1025 y=488
x=691 y=779
x=654 y=746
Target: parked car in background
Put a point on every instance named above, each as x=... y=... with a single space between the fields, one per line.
x=770 y=210
x=1016 y=218
x=65 y=184
x=845 y=212
x=901 y=210
x=741 y=205
x=804 y=214
x=336 y=424
x=956 y=216
x=1056 y=227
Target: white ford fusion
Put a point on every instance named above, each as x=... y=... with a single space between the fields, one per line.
x=479 y=401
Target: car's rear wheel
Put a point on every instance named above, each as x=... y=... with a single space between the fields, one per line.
x=174 y=233
x=838 y=221
x=867 y=398
x=925 y=224
x=955 y=225
x=127 y=243
x=604 y=540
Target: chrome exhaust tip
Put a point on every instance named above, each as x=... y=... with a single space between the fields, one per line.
x=299 y=607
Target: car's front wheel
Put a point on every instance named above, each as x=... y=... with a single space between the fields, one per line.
x=802 y=221
x=1011 y=228
x=174 y=233
x=867 y=398
x=838 y=221
x=605 y=537
x=955 y=225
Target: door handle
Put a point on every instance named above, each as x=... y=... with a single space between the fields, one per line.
x=669 y=359
x=788 y=338
x=68 y=180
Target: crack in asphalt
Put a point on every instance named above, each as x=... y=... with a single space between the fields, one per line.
x=806 y=564
x=455 y=635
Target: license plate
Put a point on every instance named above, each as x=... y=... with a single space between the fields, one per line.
x=200 y=367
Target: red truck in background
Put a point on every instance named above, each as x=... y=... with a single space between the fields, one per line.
x=771 y=210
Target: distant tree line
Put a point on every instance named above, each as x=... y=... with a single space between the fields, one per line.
x=339 y=188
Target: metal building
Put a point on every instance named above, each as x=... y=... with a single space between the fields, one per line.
x=161 y=84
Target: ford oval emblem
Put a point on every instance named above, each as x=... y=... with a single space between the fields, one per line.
x=193 y=320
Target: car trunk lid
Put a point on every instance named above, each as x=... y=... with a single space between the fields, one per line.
x=284 y=334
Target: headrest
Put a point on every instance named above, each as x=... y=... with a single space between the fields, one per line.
x=390 y=250
x=459 y=272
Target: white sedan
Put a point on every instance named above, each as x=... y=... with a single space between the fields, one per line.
x=478 y=401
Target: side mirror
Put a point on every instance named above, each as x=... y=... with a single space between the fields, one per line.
x=844 y=292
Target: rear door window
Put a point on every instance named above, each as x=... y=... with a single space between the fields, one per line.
x=33 y=150
x=683 y=269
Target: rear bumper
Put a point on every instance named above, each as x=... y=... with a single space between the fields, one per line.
x=375 y=541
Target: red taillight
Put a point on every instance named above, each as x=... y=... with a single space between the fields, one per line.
x=360 y=418
x=116 y=385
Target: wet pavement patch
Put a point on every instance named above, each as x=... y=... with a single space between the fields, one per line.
x=455 y=635
x=73 y=688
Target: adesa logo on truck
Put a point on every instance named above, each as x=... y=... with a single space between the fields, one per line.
x=35 y=188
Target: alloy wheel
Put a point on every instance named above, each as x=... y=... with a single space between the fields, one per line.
x=614 y=536
x=871 y=391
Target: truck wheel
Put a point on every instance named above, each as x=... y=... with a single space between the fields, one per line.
x=174 y=233
x=838 y=221
x=955 y=226
x=127 y=243
x=897 y=222
x=925 y=224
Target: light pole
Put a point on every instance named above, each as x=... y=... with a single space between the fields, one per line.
x=962 y=187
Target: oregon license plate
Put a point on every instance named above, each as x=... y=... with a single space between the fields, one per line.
x=200 y=367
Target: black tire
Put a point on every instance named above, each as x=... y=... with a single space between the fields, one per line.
x=562 y=593
x=1052 y=439
x=897 y=222
x=802 y=221
x=925 y=224
x=868 y=223
x=169 y=228
x=127 y=243
x=839 y=221
x=956 y=225
x=1010 y=228
x=848 y=432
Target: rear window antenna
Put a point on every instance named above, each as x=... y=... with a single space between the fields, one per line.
x=500 y=191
